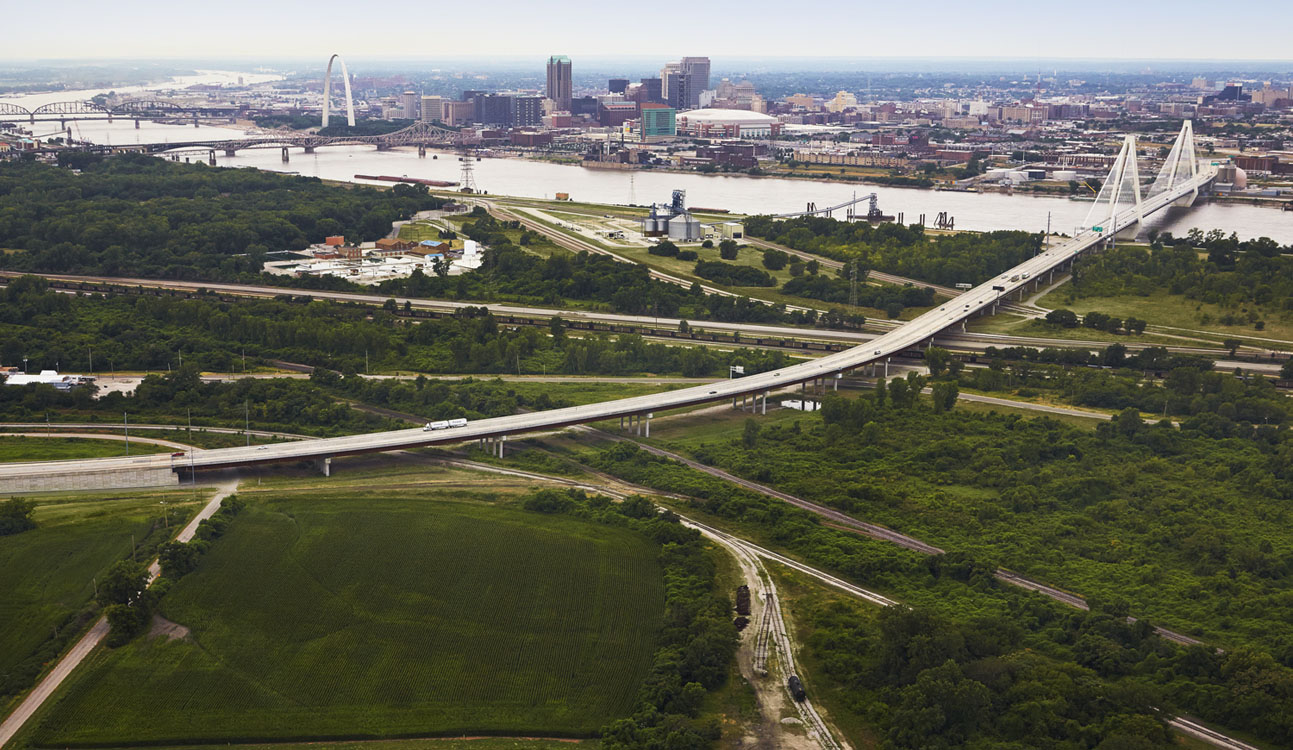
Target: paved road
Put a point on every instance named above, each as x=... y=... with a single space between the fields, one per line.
x=914 y=333
x=73 y=658
x=948 y=336
x=96 y=436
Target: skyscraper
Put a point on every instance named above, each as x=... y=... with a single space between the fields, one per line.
x=697 y=71
x=559 y=83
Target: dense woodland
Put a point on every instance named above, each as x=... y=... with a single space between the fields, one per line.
x=157 y=333
x=1211 y=268
x=1165 y=518
x=133 y=215
x=903 y=250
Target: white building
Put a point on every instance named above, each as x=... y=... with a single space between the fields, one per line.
x=50 y=378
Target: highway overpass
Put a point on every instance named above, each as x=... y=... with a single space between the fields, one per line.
x=166 y=469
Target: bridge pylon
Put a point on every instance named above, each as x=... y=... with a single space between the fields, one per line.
x=1121 y=191
x=1180 y=166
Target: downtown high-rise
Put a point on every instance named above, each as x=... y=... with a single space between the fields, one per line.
x=560 y=87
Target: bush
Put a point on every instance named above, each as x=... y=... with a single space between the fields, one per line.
x=729 y=273
x=665 y=248
x=727 y=249
x=15 y=516
x=775 y=260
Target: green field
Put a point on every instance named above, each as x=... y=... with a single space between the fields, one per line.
x=1178 y=311
x=362 y=615
x=47 y=574
x=14 y=448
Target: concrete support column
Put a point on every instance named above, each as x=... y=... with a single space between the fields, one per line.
x=285 y=158
x=648 y=424
x=211 y=157
x=886 y=367
x=765 y=402
x=325 y=466
x=501 y=440
x=838 y=375
x=962 y=326
x=136 y=124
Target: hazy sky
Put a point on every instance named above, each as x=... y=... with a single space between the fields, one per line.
x=251 y=29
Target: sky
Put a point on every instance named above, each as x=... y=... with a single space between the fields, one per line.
x=410 y=29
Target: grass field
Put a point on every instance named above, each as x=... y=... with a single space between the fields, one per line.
x=364 y=615
x=1176 y=310
x=46 y=574
x=52 y=449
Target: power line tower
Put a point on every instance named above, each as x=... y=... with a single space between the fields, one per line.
x=853 y=283
x=467 y=180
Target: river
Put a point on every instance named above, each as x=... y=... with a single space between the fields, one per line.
x=744 y=194
x=738 y=193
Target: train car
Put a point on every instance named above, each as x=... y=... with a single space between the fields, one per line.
x=796 y=688
x=743 y=600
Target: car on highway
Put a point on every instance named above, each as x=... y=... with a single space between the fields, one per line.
x=177 y=454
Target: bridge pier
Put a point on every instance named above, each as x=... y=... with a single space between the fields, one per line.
x=648 y=424
x=324 y=465
x=285 y=157
x=309 y=149
x=211 y=157
x=231 y=152
x=136 y=124
x=383 y=147
x=422 y=152
x=195 y=121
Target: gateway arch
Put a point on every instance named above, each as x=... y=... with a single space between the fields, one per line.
x=327 y=91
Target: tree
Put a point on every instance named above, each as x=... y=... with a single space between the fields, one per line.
x=945 y=395
x=727 y=249
x=775 y=260
x=750 y=434
x=1233 y=345
x=707 y=244
x=124 y=583
x=557 y=327
x=936 y=360
x=1286 y=372
x=177 y=559
x=1062 y=318
x=812 y=267
x=15 y=516
x=1134 y=325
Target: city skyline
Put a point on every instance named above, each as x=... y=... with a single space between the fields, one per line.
x=294 y=29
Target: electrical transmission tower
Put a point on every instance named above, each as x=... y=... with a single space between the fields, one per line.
x=853 y=283
x=467 y=181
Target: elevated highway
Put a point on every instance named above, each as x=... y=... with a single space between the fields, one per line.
x=165 y=469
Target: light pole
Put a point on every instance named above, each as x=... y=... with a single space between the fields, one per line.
x=24 y=365
x=246 y=430
x=125 y=418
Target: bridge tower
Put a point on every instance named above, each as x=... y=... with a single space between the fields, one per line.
x=1120 y=192
x=1180 y=166
x=327 y=91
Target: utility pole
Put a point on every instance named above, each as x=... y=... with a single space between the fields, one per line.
x=246 y=412
x=125 y=418
x=1048 y=230
x=91 y=350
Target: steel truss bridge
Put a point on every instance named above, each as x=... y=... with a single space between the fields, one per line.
x=1120 y=209
x=131 y=108
x=420 y=134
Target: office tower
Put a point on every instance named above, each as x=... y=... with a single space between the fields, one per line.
x=412 y=105
x=653 y=90
x=432 y=109
x=559 y=82
x=617 y=85
x=669 y=71
x=696 y=69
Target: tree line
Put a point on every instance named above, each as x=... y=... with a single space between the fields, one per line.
x=136 y=215
x=903 y=250
x=159 y=333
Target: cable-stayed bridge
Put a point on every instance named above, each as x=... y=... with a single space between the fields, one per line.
x=1119 y=209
